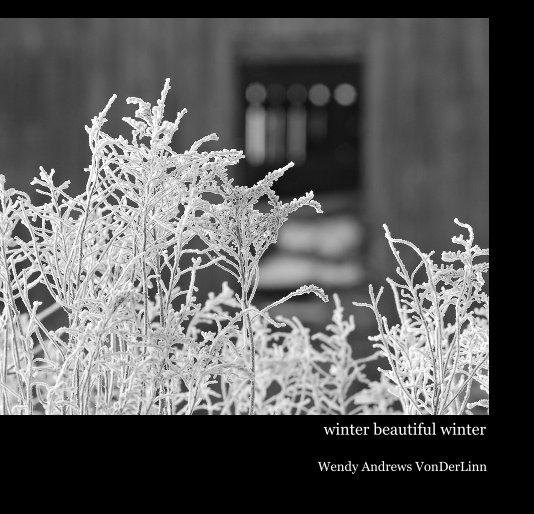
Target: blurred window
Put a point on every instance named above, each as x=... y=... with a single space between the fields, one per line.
x=305 y=113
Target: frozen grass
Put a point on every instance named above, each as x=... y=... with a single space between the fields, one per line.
x=122 y=259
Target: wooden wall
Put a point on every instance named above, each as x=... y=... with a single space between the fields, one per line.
x=427 y=131
x=426 y=107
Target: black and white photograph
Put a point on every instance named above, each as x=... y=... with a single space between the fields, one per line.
x=247 y=216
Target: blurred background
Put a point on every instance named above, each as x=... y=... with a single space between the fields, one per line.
x=387 y=120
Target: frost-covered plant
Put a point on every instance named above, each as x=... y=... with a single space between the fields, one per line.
x=441 y=345
x=121 y=260
x=300 y=373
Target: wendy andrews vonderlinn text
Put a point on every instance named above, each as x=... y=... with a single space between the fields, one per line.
x=355 y=467
x=416 y=428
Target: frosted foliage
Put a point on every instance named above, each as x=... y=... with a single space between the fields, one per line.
x=122 y=259
x=440 y=347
